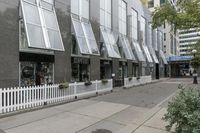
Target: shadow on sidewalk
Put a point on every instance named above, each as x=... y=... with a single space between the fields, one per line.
x=100 y=131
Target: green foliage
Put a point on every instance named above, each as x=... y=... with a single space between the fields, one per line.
x=104 y=81
x=64 y=85
x=184 y=16
x=184 y=111
x=195 y=62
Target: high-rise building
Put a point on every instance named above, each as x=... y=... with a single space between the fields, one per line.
x=187 y=40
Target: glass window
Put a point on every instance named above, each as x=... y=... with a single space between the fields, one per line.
x=105 y=13
x=143 y=29
x=110 y=44
x=146 y=51
x=87 y=28
x=152 y=51
x=80 y=37
x=122 y=17
x=138 y=51
x=163 y=57
x=80 y=8
x=134 y=24
x=41 y=26
x=84 y=9
x=75 y=4
x=126 y=48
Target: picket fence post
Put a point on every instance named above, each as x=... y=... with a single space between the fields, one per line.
x=1 y=101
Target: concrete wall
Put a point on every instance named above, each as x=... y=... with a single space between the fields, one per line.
x=9 y=48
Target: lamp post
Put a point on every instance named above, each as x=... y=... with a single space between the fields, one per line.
x=194 y=51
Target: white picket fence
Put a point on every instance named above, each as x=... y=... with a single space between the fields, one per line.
x=16 y=99
x=134 y=81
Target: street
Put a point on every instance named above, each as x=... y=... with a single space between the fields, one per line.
x=138 y=109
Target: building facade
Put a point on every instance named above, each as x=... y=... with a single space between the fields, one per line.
x=187 y=40
x=47 y=41
x=171 y=40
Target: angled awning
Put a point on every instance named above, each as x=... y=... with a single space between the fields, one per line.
x=127 y=50
x=41 y=26
x=85 y=37
x=163 y=57
x=153 y=53
x=110 y=43
x=147 y=53
x=137 y=49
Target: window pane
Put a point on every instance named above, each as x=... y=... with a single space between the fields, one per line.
x=46 y=5
x=75 y=7
x=152 y=51
x=35 y=36
x=90 y=37
x=113 y=43
x=31 y=1
x=80 y=37
x=102 y=17
x=102 y=4
x=163 y=57
x=147 y=54
x=49 y=1
x=108 y=6
x=138 y=51
x=50 y=19
x=31 y=14
x=55 y=40
x=85 y=9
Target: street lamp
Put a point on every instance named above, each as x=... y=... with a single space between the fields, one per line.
x=194 y=51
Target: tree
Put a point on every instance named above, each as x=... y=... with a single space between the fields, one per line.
x=184 y=15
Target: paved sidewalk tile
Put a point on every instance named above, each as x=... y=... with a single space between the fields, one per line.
x=156 y=121
x=101 y=110
x=75 y=105
x=129 y=115
x=63 y=123
x=21 y=119
x=128 y=129
x=103 y=127
x=145 y=129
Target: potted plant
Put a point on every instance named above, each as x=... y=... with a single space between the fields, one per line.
x=64 y=85
x=104 y=81
x=88 y=83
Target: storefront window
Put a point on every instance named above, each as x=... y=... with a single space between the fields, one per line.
x=106 y=69
x=33 y=73
x=80 y=69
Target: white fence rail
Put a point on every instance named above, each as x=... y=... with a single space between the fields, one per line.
x=15 y=99
x=133 y=81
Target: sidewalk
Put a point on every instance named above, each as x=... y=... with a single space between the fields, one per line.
x=97 y=116
x=87 y=116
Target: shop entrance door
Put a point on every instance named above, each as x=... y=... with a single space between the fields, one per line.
x=157 y=71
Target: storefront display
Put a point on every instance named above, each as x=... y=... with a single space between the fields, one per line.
x=80 y=69
x=33 y=73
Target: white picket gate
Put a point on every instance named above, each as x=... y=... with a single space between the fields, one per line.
x=15 y=99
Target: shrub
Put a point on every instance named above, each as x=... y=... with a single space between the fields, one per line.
x=130 y=78
x=88 y=83
x=64 y=85
x=104 y=81
x=184 y=111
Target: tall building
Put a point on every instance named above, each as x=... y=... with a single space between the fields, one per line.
x=54 y=41
x=171 y=42
x=187 y=39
